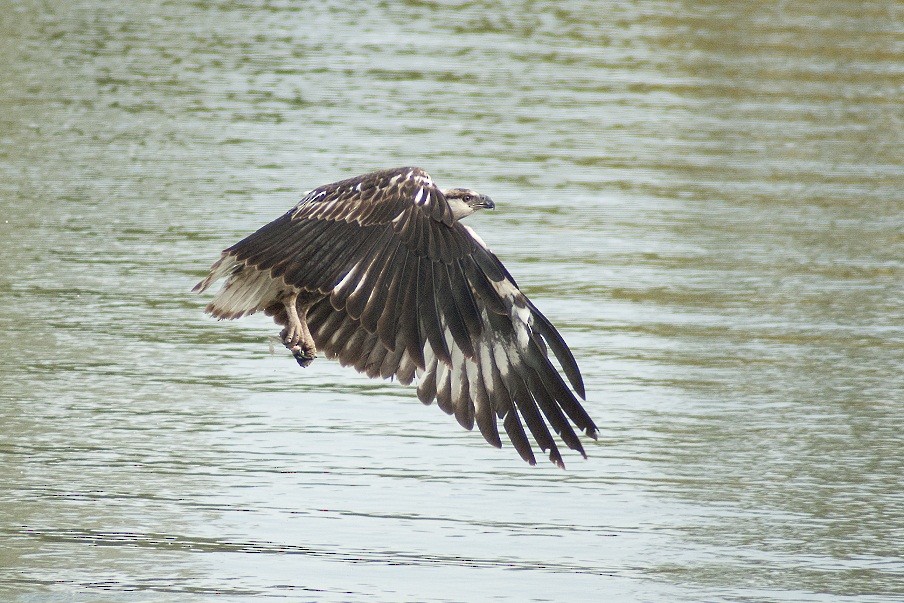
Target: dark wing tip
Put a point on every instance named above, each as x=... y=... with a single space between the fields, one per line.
x=560 y=349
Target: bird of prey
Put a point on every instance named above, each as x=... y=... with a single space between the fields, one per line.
x=379 y=272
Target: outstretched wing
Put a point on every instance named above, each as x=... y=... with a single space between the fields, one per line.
x=401 y=289
x=316 y=243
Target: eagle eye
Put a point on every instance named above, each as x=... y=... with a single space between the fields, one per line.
x=466 y=198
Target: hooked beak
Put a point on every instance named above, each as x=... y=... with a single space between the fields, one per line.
x=485 y=203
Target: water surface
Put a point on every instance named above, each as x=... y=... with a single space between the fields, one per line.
x=705 y=198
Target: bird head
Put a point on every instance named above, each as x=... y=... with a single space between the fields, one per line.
x=464 y=202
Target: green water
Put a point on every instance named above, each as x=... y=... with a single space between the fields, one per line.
x=707 y=199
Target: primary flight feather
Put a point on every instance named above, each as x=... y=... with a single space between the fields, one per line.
x=379 y=272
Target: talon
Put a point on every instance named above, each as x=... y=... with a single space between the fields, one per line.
x=296 y=336
x=290 y=337
x=304 y=356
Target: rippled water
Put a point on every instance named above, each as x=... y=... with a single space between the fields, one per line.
x=705 y=197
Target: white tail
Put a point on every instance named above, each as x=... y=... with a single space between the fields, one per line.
x=246 y=291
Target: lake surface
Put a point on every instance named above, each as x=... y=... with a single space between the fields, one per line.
x=706 y=198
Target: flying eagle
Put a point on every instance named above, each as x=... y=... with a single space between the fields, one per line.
x=379 y=272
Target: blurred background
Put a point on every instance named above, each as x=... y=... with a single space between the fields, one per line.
x=707 y=198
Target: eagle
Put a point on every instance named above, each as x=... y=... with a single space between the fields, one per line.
x=378 y=272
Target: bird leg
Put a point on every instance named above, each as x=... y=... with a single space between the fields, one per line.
x=296 y=336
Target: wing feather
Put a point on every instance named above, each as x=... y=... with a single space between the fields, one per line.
x=379 y=296
x=365 y=283
x=293 y=264
x=447 y=297
x=490 y=265
x=462 y=405
x=264 y=237
x=298 y=251
x=386 y=324
x=426 y=383
x=361 y=263
x=483 y=289
x=331 y=273
x=515 y=431
x=407 y=370
x=340 y=337
x=483 y=407
x=465 y=302
x=552 y=411
x=284 y=242
x=399 y=289
x=527 y=406
x=409 y=325
x=543 y=327
x=392 y=362
x=373 y=359
x=431 y=325
x=444 y=388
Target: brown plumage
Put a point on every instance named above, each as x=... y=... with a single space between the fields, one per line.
x=378 y=272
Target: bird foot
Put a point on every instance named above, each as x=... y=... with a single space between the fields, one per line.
x=303 y=351
x=304 y=354
x=296 y=336
x=290 y=337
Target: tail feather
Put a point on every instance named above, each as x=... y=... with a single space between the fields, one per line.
x=223 y=266
x=247 y=290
